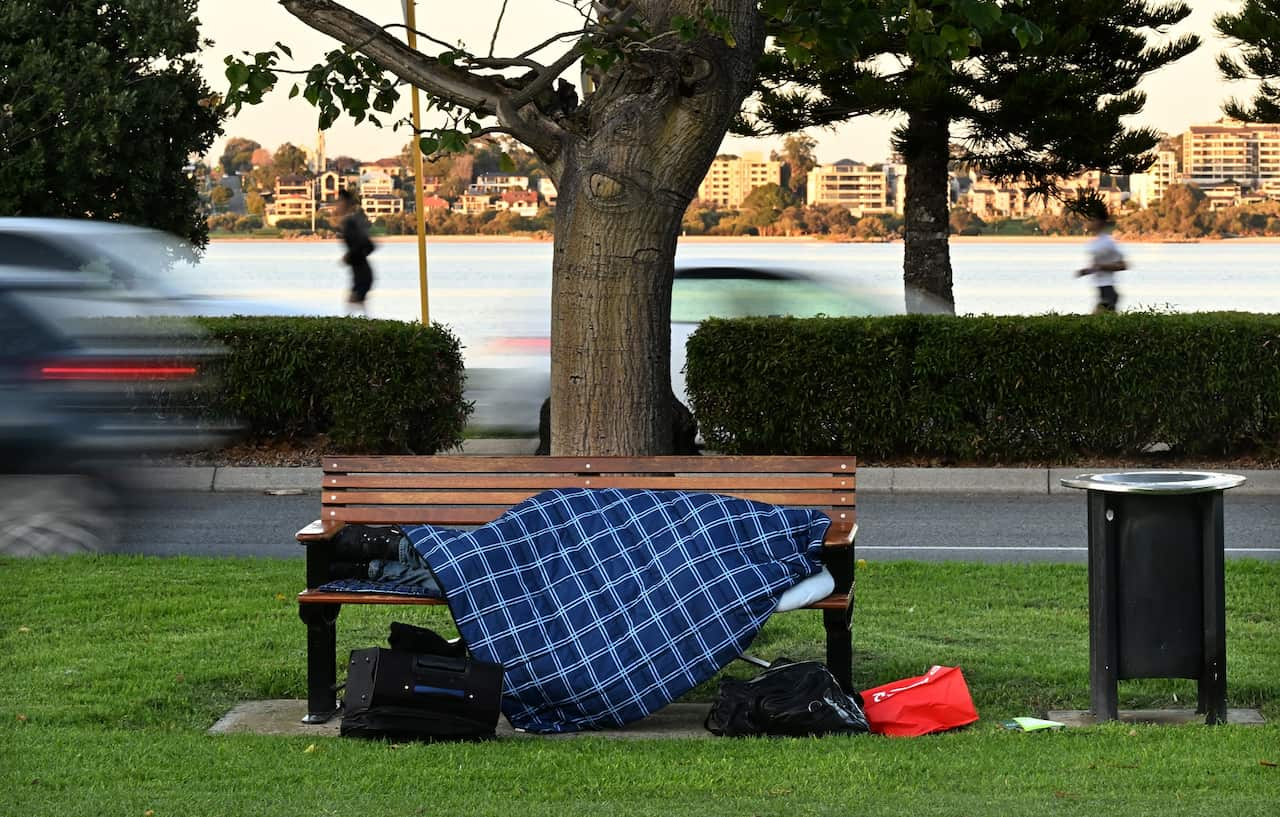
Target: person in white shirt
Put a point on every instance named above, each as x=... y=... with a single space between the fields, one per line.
x=1105 y=260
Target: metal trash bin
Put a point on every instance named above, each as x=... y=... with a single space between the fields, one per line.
x=1157 y=607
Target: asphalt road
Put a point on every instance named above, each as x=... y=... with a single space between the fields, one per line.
x=926 y=527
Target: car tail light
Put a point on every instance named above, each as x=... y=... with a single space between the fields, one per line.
x=115 y=370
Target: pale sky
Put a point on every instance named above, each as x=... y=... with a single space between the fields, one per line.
x=1188 y=92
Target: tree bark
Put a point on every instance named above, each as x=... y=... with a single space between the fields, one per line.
x=651 y=132
x=926 y=268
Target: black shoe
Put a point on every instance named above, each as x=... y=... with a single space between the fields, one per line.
x=364 y=543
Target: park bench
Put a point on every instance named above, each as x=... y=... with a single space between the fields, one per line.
x=462 y=491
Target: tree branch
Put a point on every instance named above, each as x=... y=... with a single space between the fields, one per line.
x=482 y=94
x=494 y=40
x=553 y=38
x=548 y=74
x=499 y=63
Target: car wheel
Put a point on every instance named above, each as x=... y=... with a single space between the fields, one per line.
x=48 y=515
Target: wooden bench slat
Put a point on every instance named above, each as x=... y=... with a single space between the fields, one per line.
x=545 y=482
x=486 y=497
x=587 y=465
x=836 y=601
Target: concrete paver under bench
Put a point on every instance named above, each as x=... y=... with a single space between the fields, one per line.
x=284 y=717
x=1160 y=717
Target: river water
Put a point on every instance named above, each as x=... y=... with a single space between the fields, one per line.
x=487 y=288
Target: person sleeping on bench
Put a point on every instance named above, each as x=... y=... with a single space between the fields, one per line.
x=383 y=554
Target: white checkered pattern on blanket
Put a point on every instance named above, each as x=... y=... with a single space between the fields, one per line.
x=605 y=605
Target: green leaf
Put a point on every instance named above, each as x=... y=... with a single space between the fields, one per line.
x=452 y=141
x=1027 y=33
x=237 y=73
x=293 y=91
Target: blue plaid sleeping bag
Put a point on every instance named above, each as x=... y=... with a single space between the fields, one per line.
x=605 y=605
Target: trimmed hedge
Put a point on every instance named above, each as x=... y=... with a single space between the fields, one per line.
x=993 y=389
x=371 y=385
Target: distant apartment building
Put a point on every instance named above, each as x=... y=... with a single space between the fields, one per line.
x=381 y=204
x=1225 y=194
x=897 y=177
x=521 y=202
x=293 y=198
x=434 y=203
x=351 y=181
x=376 y=184
x=470 y=204
x=327 y=185
x=1147 y=188
x=1103 y=187
x=498 y=183
x=389 y=167
x=732 y=178
x=862 y=189
x=1231 y=151
x=547 y=189
x=990 y=199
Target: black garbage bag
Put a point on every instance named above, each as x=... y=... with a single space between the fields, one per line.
x=797 y=699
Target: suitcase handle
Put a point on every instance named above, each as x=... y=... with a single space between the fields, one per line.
x=423 y=689
x=439 y=662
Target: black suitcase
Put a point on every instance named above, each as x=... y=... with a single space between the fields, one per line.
x=402 y=695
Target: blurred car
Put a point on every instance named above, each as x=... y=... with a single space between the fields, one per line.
x=85 y=384
x=508 y=378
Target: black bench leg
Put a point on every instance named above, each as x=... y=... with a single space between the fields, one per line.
x=839 y=647
x=839 y=623
x=322 y=647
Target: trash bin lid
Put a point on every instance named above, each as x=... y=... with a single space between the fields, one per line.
x=1155 y=482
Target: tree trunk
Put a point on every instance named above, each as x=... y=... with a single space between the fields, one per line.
x=926 y=268
x=652 y=130
x=626 y=163
x=610 y=323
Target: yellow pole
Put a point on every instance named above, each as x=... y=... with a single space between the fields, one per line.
x=419 y=213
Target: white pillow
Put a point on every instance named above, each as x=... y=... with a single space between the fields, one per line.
x=818 y=586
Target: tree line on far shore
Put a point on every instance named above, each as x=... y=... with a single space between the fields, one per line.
x=1184 y=212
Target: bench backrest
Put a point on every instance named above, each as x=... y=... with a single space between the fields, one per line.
x=470 y=490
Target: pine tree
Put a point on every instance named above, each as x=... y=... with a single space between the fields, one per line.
x=1030 y=91
x=1255 y=28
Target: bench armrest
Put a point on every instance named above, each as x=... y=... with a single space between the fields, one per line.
x=847 y=541
x=319 y=531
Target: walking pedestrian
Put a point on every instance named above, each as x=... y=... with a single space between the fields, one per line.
x=354 y=228
x=1105 y=260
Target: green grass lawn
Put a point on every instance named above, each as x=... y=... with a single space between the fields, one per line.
x=115 y=666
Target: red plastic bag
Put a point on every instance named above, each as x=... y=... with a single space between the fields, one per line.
x=934 y=702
